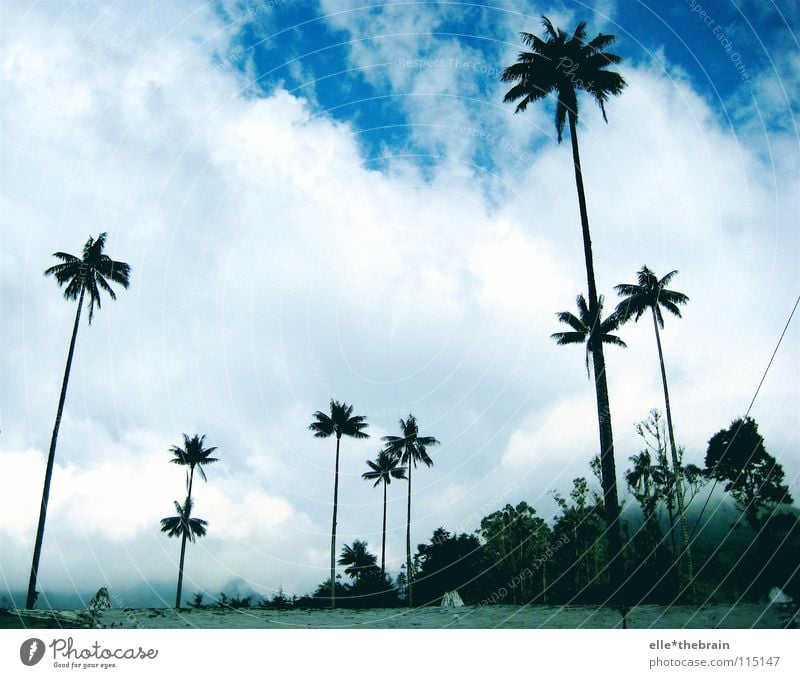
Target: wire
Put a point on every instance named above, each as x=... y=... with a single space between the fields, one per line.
x=746 y=414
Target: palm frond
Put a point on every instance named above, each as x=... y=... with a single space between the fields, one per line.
x=564 y=338
x=615 y=340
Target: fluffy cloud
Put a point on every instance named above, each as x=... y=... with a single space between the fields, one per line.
x=273 y=268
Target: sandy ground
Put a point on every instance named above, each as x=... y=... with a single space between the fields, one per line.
x=495 y=616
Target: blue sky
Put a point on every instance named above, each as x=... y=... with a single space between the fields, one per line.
x=325 y=200
x=722 y=47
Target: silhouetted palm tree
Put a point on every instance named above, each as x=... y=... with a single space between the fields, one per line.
x=563 y=65
x=586 y=329
x=186 y=527
x=83 y=275
x=193 y=455
x=651 y=294
x=359 y=560
x=384 y=468
x=410 y=448
x=339 y=422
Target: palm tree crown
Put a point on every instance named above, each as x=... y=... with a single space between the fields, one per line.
x=410 y=447
x=586 y=329
x=193 y=455
x=89 y=273
x=183 y=524
x=649 y=293
x=340 y=422
x=385 y=467
x=358 y=558
x=562 y=65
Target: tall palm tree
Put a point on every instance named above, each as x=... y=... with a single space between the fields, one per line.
x=340 y=422
x=563 y=65
x=192 y=455
x=589 y=328
x=83 y=275
x=410 y=448
x=650 y=293
x=359 y=560
x=185 y=526
x=384 y=468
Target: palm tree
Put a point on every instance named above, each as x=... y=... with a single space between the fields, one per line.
x=651 y=294
x=186 y=527
x=384 y=468
x=339 y=422
x=359 y=560
x=192 y=455
x=562 y=65
x=410 y=448
x=81 y=275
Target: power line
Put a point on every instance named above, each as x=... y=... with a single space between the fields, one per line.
x=746 y=414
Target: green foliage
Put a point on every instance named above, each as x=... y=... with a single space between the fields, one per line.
x=279 y=601
x=360 y=562
x=579 y=565
x=449 y=563
x=514 y=540
x=753 y=477
x=234 y=602
x=197 y=600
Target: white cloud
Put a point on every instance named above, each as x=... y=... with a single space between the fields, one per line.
x=272 y=270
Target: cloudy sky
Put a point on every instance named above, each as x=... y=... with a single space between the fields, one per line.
x=325 y=199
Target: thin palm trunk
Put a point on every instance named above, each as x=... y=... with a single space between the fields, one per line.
x=183 y=544
x=686 y=555
x=333 y=529
x=587 y=239
x=37 y=549
x=409 y=575
x=180 y=570
x=607 y=463
x=383 y=541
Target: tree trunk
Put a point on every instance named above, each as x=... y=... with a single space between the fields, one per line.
x=180 y=570
x=333 y=529
x=37 y=548
x=409 y=576
x=610 y=500
x=183 y=540
x=383 y=540
x=686 y=554
x=544 y=581
x=607 y=463
x=587 y=240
